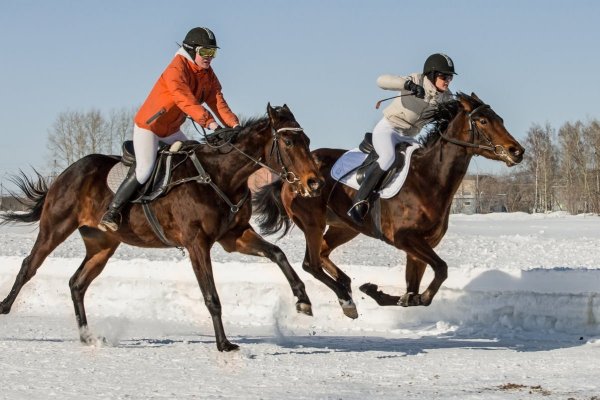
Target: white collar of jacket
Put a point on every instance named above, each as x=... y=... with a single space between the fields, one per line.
x=185 y=54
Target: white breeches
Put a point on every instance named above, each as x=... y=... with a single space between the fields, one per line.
x=385 y=139
x=145 y=145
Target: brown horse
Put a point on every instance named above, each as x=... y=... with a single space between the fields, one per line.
x=193 y=214
x=415 y=220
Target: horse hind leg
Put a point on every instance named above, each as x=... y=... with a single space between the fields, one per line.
x=415 y=269
x=51 y=234
x=99 y=248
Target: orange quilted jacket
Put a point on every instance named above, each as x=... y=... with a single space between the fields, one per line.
x=181 y=90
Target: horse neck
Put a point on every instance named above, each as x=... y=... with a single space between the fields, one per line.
x=235 y=168
x=445 y=164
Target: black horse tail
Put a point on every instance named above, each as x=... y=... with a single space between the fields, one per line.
x=34 y=197
x=268 y=208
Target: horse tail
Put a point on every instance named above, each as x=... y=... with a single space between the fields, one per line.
x=268 y=207
x=33 y=198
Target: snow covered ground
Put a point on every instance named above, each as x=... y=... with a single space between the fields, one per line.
x=518 y=317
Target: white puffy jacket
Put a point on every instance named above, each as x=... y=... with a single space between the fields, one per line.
x=406 y=113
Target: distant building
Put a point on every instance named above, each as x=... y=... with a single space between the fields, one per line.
x=465 y=199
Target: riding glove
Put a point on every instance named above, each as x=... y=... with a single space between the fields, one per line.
x=417 y=90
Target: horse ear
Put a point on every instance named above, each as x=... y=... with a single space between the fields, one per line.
x=270 y=111
x=285 y=107
x=473 y=95
x=465 y=101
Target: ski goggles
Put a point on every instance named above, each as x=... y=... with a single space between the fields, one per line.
x=206 y=52
x=445 y=77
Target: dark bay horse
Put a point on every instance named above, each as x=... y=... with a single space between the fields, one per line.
x=415 y=220
x=192 y=214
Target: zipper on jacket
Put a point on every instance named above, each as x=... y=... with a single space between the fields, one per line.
x=155 y=116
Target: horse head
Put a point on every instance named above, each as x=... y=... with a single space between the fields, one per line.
x=484 y=132
x=288 y=153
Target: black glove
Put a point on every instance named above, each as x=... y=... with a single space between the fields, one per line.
x=417 y=90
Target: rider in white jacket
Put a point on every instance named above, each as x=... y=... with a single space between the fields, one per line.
x=403 y=119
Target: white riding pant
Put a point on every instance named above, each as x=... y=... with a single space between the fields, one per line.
x=385 y=139
x=145 y=146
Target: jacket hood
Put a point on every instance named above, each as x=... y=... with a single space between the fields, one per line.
x=184 y=54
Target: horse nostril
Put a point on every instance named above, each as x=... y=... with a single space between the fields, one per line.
x=314 y=183
x=515 y=151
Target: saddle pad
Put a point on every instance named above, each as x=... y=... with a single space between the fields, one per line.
x=116 y=176
x=352 y=159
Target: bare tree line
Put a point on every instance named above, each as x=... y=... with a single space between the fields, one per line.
x=76 y=134
x=561 y=171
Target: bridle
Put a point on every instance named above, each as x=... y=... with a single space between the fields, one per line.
x=204 y=178
x=477 y=135
x=285 y=174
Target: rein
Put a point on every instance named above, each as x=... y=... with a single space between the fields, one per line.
x=285 y=174
x=204 y=178
x=497 y=149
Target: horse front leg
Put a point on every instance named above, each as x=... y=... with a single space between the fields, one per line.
x=312 y=264
x=310 y=216
x=333 y=238
x=202 y=265
x=247 y=241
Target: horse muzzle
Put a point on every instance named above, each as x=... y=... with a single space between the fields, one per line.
x=312 y=188
x=511 y=155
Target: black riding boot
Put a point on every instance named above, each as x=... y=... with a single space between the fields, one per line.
x=361 y=206
x=112 y=218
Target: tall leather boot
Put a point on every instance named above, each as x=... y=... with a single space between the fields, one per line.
x=362 y=203
x=112 y=218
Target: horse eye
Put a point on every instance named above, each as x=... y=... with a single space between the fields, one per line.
x=288 y=142
x=483 y=121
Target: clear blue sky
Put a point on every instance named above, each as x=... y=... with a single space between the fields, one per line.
x=532 y=61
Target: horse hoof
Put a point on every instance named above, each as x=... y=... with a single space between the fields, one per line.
x=368 y=288
x=304 y=308
x=410 y=300
x=4 y=309
x=227 y=346
x=91 y=340
x=349 y=308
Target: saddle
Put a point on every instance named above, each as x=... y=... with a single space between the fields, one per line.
x=158 y=183
x=366 y=146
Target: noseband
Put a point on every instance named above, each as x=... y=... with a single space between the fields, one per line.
x=476 y=134
x=285 y=174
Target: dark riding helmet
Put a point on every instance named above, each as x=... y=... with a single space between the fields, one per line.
x=438 y=62
x=199 y=37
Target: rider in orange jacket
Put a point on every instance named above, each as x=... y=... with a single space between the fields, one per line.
x=186 y=83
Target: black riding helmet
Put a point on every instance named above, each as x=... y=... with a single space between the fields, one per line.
x=199 y=37
x=439 y=62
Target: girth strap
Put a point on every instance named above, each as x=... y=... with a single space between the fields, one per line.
x=155 y=225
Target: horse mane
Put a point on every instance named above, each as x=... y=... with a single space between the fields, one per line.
x=441 y=116
x=247 y=122
x=220 y=138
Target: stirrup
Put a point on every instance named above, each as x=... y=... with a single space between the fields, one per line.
x=109 y=221
x=356 y=213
